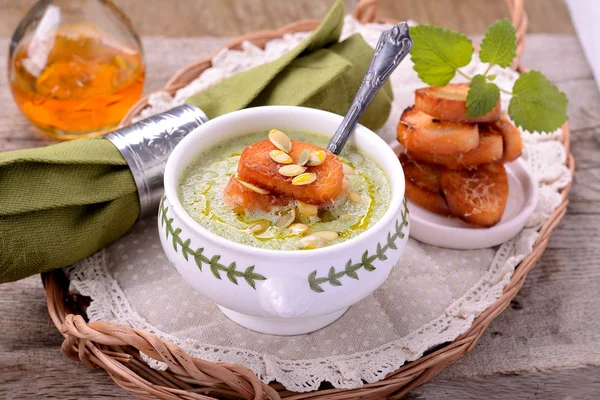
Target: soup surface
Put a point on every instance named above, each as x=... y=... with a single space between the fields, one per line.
x=365 y=202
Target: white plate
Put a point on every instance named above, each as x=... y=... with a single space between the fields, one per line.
x=453 y=233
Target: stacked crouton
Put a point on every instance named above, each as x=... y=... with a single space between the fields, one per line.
x=454 y=165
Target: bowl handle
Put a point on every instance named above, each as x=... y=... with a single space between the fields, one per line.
x=286 y=296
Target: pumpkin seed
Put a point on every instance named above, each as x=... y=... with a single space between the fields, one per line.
x=348 y=170
x=292 y=170
x=250 y=186
x=280 y=140
x=327 y=235
x=309 y=210
x=326 y=216
x=258 y=227
x=354 y=197
x=311 y=242
x=304 y=179
x=316 y=158
x=288 y=215
x=303 y=159
x=280 y=157
x=298 y=229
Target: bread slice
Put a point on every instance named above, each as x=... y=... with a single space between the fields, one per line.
x=477 y=196
x=490 y=149
x=256 y=167
x=423 y=185
x=242 y=199
x=513 y=143
x=450 y=103
x=420 y=132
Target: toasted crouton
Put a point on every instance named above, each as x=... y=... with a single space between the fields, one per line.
x=242 y=199
x=423 y=133
x=256 y=167
x=490 y=149
x=450 y=103
x=424 y=175
x=513 y=143
x=477 y=196
x=423 y=185
x=433 y=202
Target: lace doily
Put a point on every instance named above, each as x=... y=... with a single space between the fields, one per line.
x=431 y=297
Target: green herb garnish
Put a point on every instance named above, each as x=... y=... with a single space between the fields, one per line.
x=536 y=104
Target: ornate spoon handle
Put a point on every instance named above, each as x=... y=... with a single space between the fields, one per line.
x=393 y=45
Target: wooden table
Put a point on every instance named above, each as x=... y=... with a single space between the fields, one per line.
x=178 y=18
x=545 y=346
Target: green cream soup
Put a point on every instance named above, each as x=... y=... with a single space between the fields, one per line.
x=203 y=183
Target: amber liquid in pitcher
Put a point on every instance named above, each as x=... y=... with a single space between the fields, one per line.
x=85 y=85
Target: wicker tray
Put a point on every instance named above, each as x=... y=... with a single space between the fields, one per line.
x=116 y=348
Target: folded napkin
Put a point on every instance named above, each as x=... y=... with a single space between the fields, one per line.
x=61 y=203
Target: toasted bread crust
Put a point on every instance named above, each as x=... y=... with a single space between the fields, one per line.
x=450 y=103
x=421 y=132
x=424 y=175
x=490 y=149
x=423 y=185
x=256 y=167
x=433 y=202
x=476 y=196
x=242 y=199
x=513 y=143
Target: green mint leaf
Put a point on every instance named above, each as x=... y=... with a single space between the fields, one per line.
x=437 y=53
x=499 y=46
x=491 y=77
x=537 y=105
x=482 y=97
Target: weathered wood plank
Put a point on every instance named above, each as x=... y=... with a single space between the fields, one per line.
x=232 y=18
x=548 y=53
x=580 y=384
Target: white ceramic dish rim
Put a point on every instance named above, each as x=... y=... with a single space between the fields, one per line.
x=395 y=176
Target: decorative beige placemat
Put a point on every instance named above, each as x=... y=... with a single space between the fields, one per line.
x=431 y=297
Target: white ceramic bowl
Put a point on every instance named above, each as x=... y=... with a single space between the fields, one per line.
x=281 y=292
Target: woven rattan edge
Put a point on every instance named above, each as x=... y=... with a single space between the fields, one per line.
x=116 y=348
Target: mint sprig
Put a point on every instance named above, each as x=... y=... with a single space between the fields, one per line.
x=482 y=97
x=499 y=46
x=537 y=103
x=438 y=55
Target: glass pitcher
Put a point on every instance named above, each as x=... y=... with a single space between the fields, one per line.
x=75 y=67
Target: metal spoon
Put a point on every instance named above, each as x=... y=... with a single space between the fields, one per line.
x=393 y=45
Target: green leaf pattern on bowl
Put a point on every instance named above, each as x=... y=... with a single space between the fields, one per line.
x=250 y=276
x=200 y=258
x=366 y=261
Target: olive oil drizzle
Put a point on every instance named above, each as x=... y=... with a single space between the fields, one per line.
x=283 y=234
x=363 y=223
x=349 y=217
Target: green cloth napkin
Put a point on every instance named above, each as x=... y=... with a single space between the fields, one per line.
x=61 y=203
x=64 y=202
